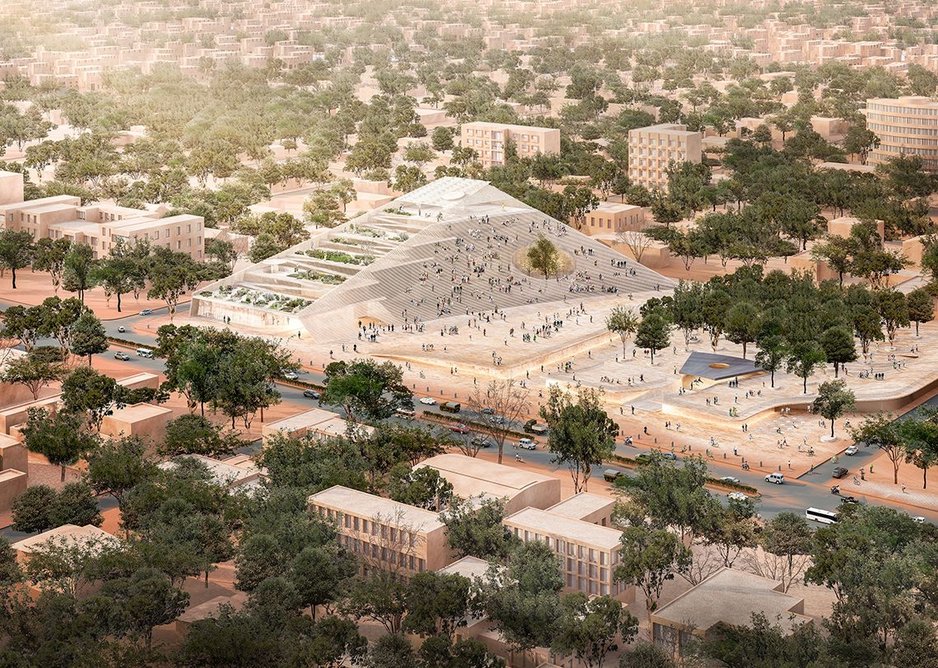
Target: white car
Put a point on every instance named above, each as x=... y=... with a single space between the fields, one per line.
x=852 y=450
x=919 y=519
x=775 y=478
x=427 y=401
x=290 y=375
x=730 y=479
x=736 y=496
x=526 y=443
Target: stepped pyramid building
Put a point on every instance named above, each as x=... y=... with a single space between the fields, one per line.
x=453 y=247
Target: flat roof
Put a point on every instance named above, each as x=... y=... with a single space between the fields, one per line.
x=211 y=608
x=580 y=505
x=713 y=366
x=616 y=207
x=314 y=419
x=69 y=533
x=468 y=567
x=139 y=412
x=557 y=526
x=474 y=477
x=222 y=472
x=731 y=596
x=352 y=501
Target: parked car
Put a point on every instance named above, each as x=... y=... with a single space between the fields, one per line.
x=123 y=357
x=852 y=450
x=526 y=443
x=669 y=456
x=775 y=478
x=487 y=411
x=290 y=375
x=145 y=352
x=730 y=479
x=534 y=427
x=311 y=394
x=406 y=413
x=427 y=401
x=839 y=472
x=481 y=442
x=736 y=496
x=146 y=311
x=451 y=407
x=849 y=499
x=459 y=428
x=611 y=475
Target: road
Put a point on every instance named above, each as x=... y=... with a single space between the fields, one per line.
x=810 y=490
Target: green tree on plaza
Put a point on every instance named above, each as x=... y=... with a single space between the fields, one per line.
x=804 y=358
x=623 y=322
x=653 y=333
x=192 y=434
x=172 y=274
x=742 y=324
x=221 y=251
x=893 y=308
x=88 y=337
x=59 y=437
x=59 y=317
x=582 y=435
x=437 y=604
x=837 y=253
x=123 y=271
x=544 y=257
x=773 y=352
x=24 y=324
x=366 y=389
x=921 y=307
x=731 y=529
x=833 y=400
x=147 y=599
x=78 y=271
x=50 y=257
x=319 y=573
x=839 y=347
x=16 y=251
x=686 y=309
x=117 y=466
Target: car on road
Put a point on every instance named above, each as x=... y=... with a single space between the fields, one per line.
x=669 y=456
x=852 y=450
x=487 y=411
x=526 y=443
x=123 y=357
x=121 y=329
x=736 y=496
x=535 y=427
x=427 y=401
x=730 y=479
x=611 y=475
x=290 y=375
x=839 y=472
x=405 y=413
x=481 y=442
x=775 y=478
x=459 y=428
x=849 y=499
x=146 y=311
x=311 y=394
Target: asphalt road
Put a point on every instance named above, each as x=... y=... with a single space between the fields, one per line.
x=811 y=490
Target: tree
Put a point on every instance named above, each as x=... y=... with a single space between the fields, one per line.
x=649 y=558
x=893 y=309
x=318 y=574
x=423 y=487
x=773 y=351
x=23 y=324
x=50 y=257
x=623 y=322
x=147 y=599
x=505 y=403
x=804 y=358
x=653 y=333
x=742 y=324
x=41 y=508
x=78 y=272
x=839 y=347
x=916 y=646
x=437 y=604
x=731 y=529
x=390 y=651
x=582 y=435
x=921 y=307
x=647 y=655
x=441 y=139
x=685 y=310
x=232 y=640
x=787 y=539
x=476 y=529
x=920 y=439
x=378 y=596
x=588 y=628
x=35 y=370
x=90 y=394
x=833 y=400
x=883 y=432
x=123 y=271
x=16 y=250
x=59 y=437
x=31 y=509
x=192 y=434
x=88 y=336
x=172 y=274
x=837 y=252
x=221 y=251
x=324 y=208
x=543 y=256
x=366 y=389
x=117 y=466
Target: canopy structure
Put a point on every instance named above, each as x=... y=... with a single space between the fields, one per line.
x=717 y=367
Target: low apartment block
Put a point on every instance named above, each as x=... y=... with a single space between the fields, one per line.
x=489 y=139
x=653 y=149
x=100 y=226
x=905 y=126
x=384 y=534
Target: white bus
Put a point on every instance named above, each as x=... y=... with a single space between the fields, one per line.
x=822 y=516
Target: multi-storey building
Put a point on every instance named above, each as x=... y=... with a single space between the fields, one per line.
x=654 y=148
x=613 y=217
x=100 y=226
x=385 y=534
x=589 y=553
x=489 y=139
x=905 y=126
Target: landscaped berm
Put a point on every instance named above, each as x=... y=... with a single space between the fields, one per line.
x=453 y=247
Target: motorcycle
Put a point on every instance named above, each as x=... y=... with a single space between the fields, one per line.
x=835 y=489
x=745 y=466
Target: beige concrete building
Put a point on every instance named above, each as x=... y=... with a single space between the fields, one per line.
x=67 y=534
x=476 y=478
x=100 y=226
x=613 y=217
x=488 y=140
x=653 y=149
x=385 y=534
x=144 y=420
x=589 y=553
x=905 y=126
x=740 y=594
x=314 y=422
x=586 y=507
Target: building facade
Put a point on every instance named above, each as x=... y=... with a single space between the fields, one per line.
x=613 y=218
x=654 y=148
x=384 y=534
x=905 y=126
x=489 y=139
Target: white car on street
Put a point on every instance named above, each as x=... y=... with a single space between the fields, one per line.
x=427 y=401
x=852 y=450
x=526 y=443
x=775 y=478
x=736 y=496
